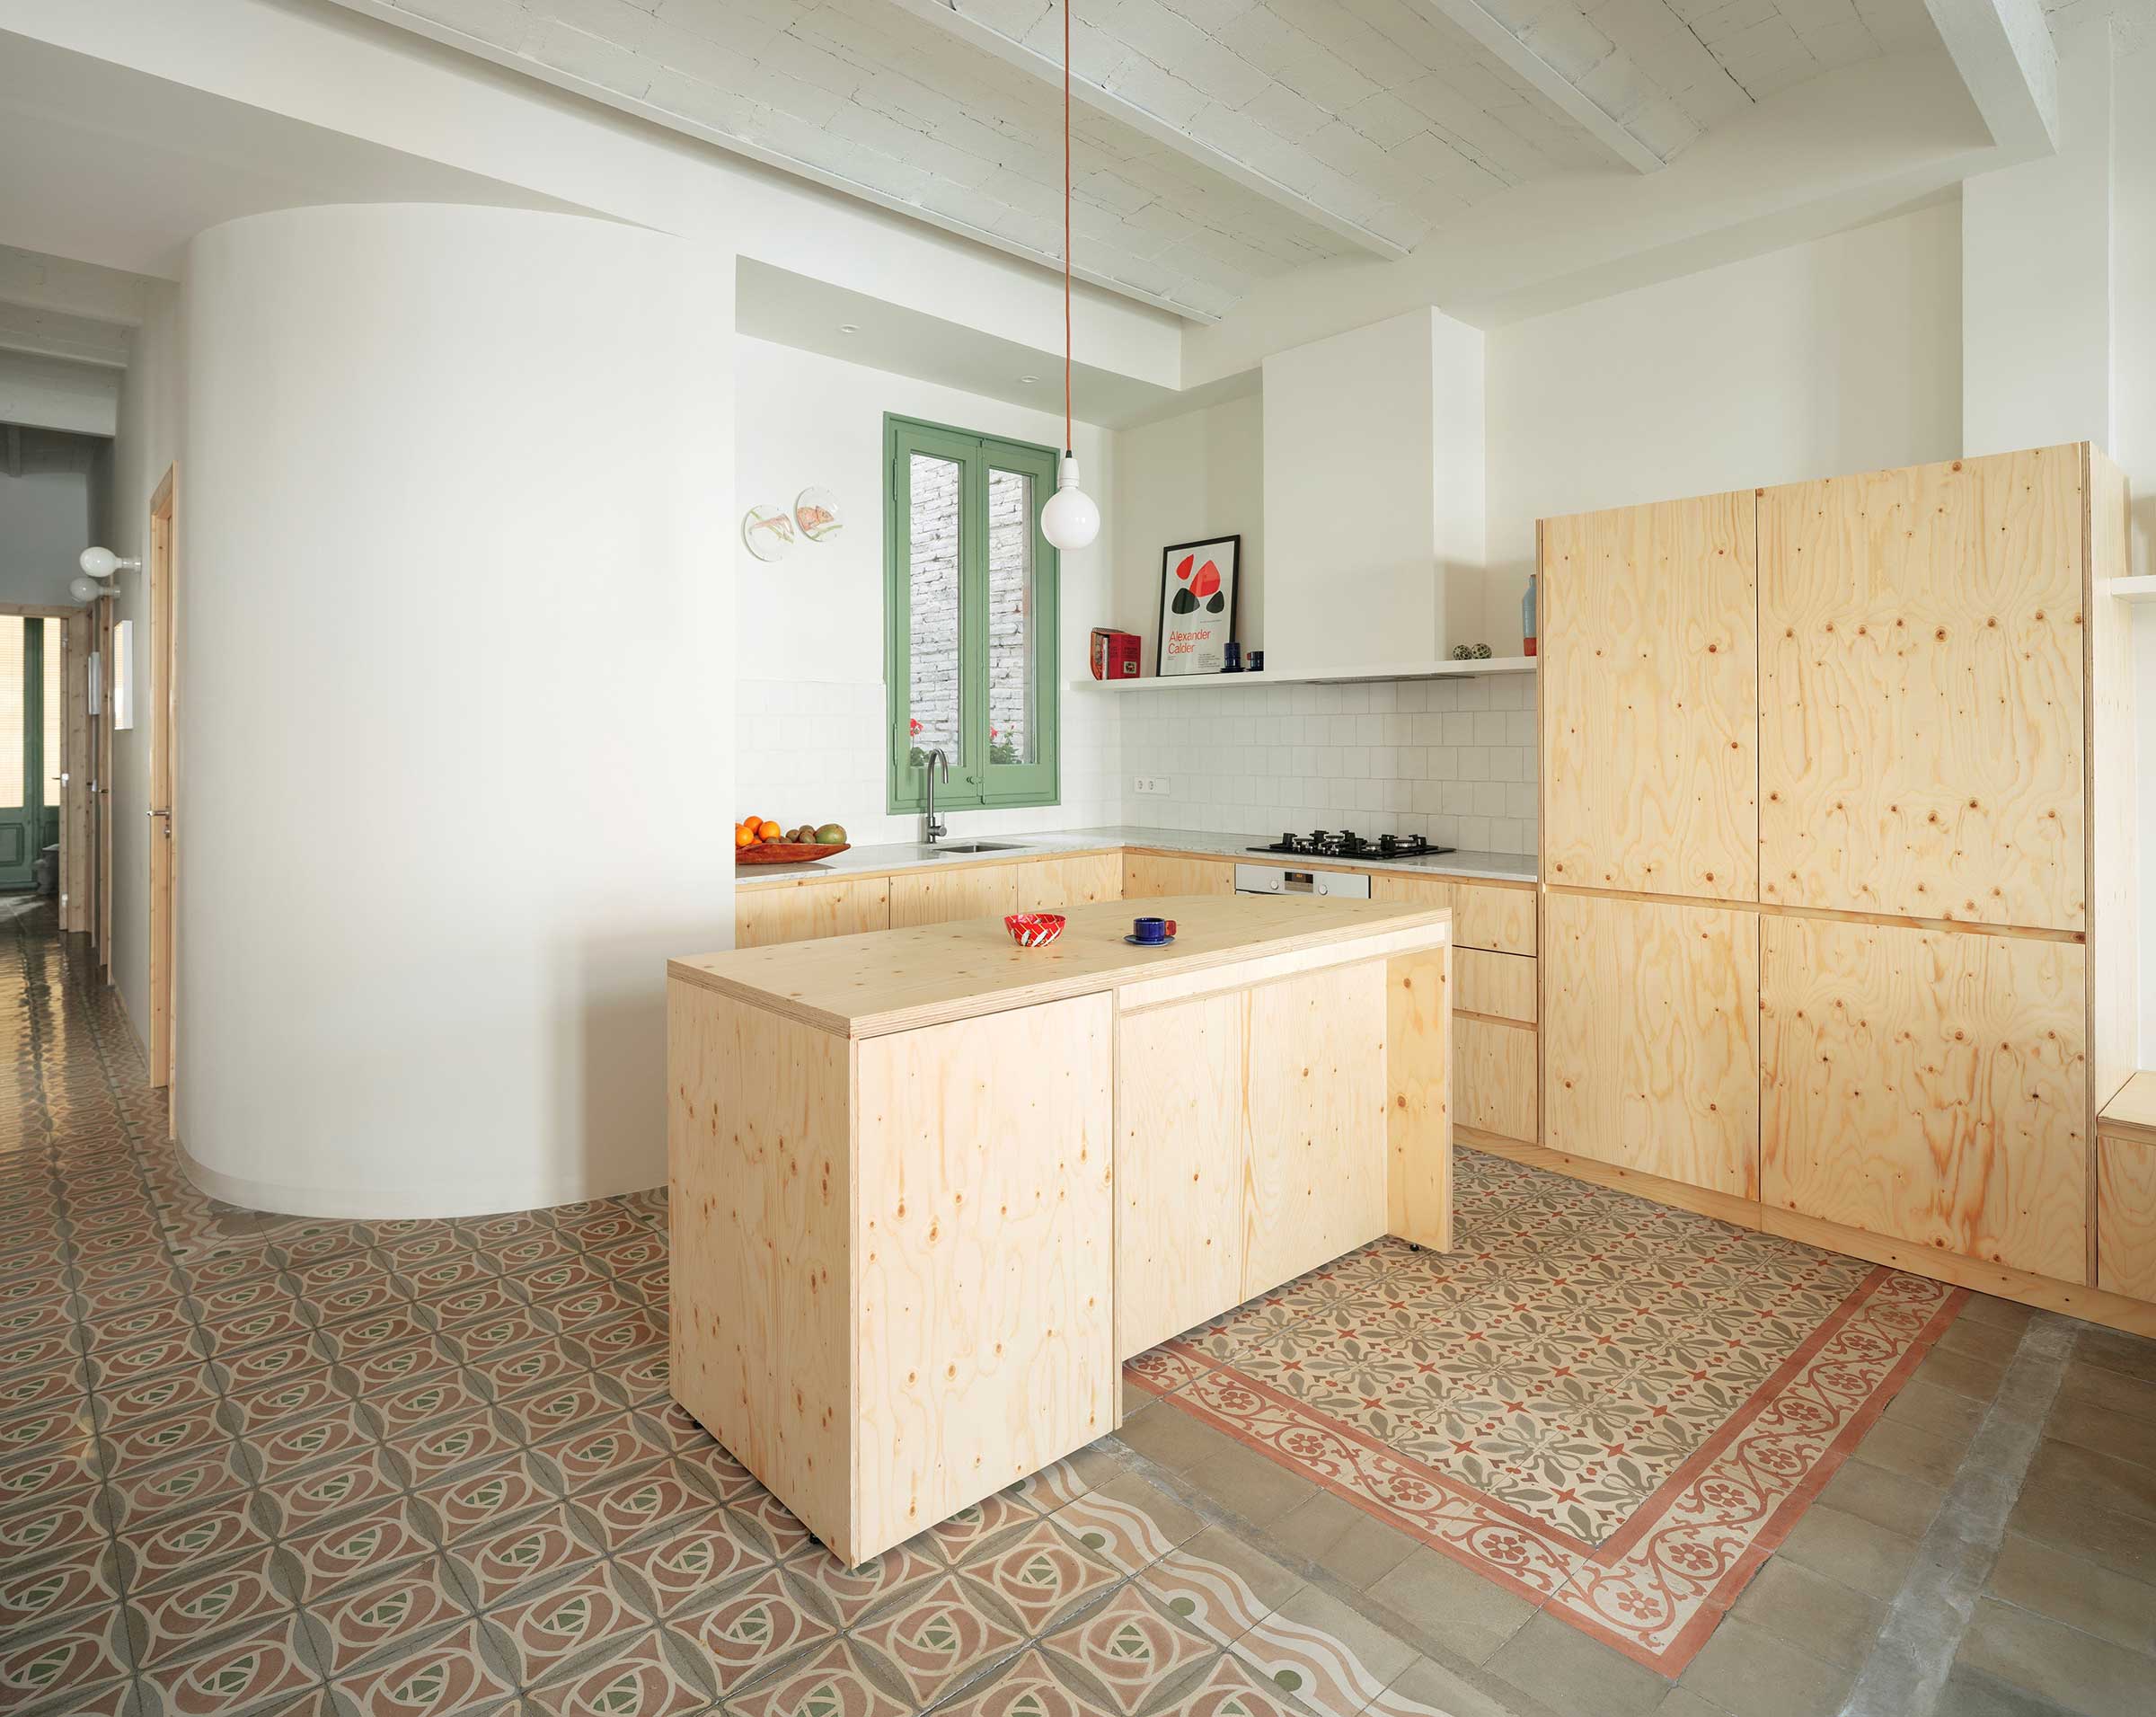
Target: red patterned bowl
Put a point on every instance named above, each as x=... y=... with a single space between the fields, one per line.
x=1034 y=929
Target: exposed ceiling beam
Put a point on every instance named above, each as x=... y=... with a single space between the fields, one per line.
x=948 y=18
x=2003 y=51
x=1516 y=53
x=54 y=334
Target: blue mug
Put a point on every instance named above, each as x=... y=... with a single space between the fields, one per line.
x=1152 y=929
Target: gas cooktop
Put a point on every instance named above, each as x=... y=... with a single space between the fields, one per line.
x=1346 y=843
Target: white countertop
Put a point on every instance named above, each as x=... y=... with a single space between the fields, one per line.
x=876 y=861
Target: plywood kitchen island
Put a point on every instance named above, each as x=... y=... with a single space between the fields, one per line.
x=928 y=1188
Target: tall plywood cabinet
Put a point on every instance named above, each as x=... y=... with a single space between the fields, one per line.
x=1838 y=862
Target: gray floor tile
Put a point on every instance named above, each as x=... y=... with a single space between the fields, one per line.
x=1894 y=1500
x=1574 y=1676
x=1915 y=1451
x=2056 y=1516
x=2104 y=1387
x=2124 y=1436
x=1970 y=1693
x=1820 y=1616
x=1248 y=1484
x=1856 y=1552
x=2110 y=1483
x=1451 y=1608
x=1750 y=1672
x=1977 y=1378
x=1934 y=1408
x=1343 y=1539
x=1437 y=1688
x=2073 y=1591
x=2086 y=1675
x=1173 y=1438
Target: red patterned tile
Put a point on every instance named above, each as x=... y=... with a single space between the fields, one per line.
x=937 y=1635
x=833 y=1681
x=350 y=1485
x=239 y=1675
x=1130 y=1647
x=176 y=1548
x=1029 y=1687
x=300 y=1445
x=147 y=1494
x=33 y=1533
x=284 y=1400
x=750 y=1628
x=576 y=1612
x=373 y=1370
x=32 y=1598
x=177 y=1617
x=451 y=1445
x=614 y=1513
x=470 y=1503
x=643 y=1673
x=695 y=1559
x=357 y=1624
x=448 y=1677
x=87 y=1650
x=499 y=1561
x=432 y=1401
x=350 y=1553
x=289 y=1356
x=1041 y=1575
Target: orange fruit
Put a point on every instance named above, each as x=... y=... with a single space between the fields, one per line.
x=767 y=831
x=742 y=837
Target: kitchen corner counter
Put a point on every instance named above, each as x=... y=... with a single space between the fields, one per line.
x=1016 y=849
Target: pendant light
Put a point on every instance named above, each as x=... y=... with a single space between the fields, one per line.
x=1070 y=520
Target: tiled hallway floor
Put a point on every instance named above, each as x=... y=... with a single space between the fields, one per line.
x=256 y=1465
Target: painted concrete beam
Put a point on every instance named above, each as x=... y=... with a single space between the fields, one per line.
x=948 y=18
x=2003 y=51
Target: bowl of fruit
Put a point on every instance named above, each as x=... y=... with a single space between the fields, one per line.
x=757 y=840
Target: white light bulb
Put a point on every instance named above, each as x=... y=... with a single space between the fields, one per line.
x=98 y=563
x=85 y=589
x=1070 y=520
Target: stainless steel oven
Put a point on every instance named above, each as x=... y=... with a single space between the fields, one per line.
x=1285 y=879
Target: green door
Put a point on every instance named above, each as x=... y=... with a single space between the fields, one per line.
x=30 y=745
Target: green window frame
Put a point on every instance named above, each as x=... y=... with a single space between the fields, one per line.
x=980 y=778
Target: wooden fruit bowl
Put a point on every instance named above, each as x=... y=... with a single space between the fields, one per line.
x=787 y=851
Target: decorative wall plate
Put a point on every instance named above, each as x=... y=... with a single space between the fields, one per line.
x=768 y=532
x=815 y=513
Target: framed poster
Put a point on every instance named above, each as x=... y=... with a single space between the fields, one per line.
x=1197 y=606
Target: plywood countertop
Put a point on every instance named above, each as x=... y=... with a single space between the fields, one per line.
x=2132 y=1115
x=895 y=980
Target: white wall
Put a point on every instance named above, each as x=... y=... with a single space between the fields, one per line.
x=1199 y=474
x=44 y=523
x=1373 y=492
x=808 y=638
x=455 y=731
x=1842 y=354
x=53 y=394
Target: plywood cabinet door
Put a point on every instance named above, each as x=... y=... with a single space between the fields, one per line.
x=2125 y=1216
x=1929 y=1085
x=1314 y=1180
x=1920 y=667
x=1180 y=1147
x=1494 y=1078
x=1650 y=1037
x=1050 y=885
x=1148 y=876
x=807 y=911
x=982 y=1260
x=941 y=897
x=1650 y=698
x=1489 y=916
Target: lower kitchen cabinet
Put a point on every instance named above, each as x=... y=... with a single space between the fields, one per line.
x=1650 y=1038
x=1252 y=1143
x=1493 y=1077
x=1147 y=876
x=1049 y=885
x=939 y=897
x=1929 y=1085
x=2125 y=1216
x=1495 y=916
x=804 y=911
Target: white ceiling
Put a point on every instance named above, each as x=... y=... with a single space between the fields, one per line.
x=1218 y=143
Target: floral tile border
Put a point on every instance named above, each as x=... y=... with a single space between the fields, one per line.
x=1656 y=1587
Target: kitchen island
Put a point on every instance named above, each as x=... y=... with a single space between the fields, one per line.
x=928 y=1188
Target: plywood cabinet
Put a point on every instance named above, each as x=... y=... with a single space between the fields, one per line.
x=1930 y=1085
x=1921 y=636
x=1650 y=698
x=1252 y=1142
x=1494 y=1078
x=1049 y=885
x=1649 y=1044
x=1148 y=876
x=939 y=897
x=803 y=911
x=1497 y=917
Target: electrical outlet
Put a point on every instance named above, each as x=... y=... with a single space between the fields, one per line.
x=1153 y=784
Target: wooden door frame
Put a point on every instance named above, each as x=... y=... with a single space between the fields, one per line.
x=163 y=571
x=101 y=931
x=43 y=611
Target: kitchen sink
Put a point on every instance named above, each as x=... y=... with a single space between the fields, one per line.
x=974 y=846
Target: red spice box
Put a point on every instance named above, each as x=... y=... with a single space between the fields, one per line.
x=1114 y=654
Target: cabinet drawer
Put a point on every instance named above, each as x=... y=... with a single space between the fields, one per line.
x=1487 y=915
x=805 y=911
x=940 y=897
x=1493 y=1079
x=1501 y=986
x=1149 y=876
x=1053 y=885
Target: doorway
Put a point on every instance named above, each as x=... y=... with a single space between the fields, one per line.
x=164 y=848
x=33 y=746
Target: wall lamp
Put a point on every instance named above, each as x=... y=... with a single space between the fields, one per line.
x=98 y=564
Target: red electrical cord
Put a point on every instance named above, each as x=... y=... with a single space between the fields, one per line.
x=1067 y=227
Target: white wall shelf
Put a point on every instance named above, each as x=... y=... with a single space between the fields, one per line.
x=1320 y=677
x=2129 y=590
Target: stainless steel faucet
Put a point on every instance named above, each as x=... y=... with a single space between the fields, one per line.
x=935 y=831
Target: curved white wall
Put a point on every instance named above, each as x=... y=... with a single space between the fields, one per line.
x=456 y=706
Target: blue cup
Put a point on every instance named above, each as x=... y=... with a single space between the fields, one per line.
x=1152 y=929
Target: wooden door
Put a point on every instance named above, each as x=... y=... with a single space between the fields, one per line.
x=102 y=730
x=1650 y=1037
x=75 y=868
x=164 y=847
x=1930 y=1085
x=1650 y=698
x=1315 y=1096
x=1921 y=664
x=940 y=897
x=21 y=774
x=1181 y=1151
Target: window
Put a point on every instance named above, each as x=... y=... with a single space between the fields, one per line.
x=969 y=616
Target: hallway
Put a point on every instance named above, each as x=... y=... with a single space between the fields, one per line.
x=264 y=1466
